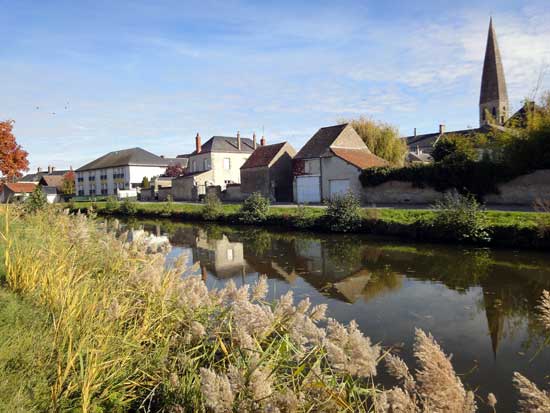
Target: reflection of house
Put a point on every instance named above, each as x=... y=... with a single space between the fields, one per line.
x=223 y=257
x=329 y=164
x=16 y=191
x=269 y=171
x=217 y=163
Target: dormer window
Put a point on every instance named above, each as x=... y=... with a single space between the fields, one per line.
x=494 y=112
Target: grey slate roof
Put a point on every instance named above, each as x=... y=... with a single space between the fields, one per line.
x=493 y=85
x=318 y=144
x=125 y=157
x=427 y=141
x=181 y=160
x=35 y=177
x=225 y=144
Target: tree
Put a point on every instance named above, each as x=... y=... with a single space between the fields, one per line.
x=145 y=183
x=381 y=138
x=36 y=200
x=174 y=170
x=455 y=148
x=68 y=186
x=13 y=159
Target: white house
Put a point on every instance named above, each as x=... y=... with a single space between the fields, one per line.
x=218 y=162
x=118 y=171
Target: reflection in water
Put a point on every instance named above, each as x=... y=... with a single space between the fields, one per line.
x=479 y=303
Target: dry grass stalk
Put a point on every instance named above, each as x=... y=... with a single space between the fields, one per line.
x=532 y=400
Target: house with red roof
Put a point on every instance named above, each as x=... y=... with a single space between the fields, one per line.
x=329 y=164
x=269 y=171
x=16 y=191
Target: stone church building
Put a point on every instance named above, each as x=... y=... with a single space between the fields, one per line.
x=493 y=105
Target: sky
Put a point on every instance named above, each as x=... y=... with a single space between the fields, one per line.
x=82 y=78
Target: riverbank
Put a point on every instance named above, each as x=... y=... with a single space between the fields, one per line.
x=507 y=229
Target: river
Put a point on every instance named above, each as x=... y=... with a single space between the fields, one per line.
x=479 y=304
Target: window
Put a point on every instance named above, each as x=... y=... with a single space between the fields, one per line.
x=91 y=178
x=494 y=111
x=230 y=254
x=194 y=166
x=227 y=164
x=80 y=179
x=206 y=164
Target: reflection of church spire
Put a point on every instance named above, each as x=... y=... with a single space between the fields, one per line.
x=495 y=318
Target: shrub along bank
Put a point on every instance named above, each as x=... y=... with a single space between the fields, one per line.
x=510 y=229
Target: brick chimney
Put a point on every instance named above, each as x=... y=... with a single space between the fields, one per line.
x=254 y=140
x=441 y=129
x=239 y=141
x=262 y=141
x=198 y=143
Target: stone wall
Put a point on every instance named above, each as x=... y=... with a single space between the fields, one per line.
x=523 y=190
x=233 y=193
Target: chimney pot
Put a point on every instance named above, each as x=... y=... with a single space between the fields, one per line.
x=198 y=143
x=39 y=169
x=442 y=128
x=49 y=169
x=415 y=132
x=262 y=141
x=239 y=141
x=254 y=140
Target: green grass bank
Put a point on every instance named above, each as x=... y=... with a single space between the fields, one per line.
x=507 y=229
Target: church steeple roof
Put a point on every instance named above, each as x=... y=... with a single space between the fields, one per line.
x=493 y=84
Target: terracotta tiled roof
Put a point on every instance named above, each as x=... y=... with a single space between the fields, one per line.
x=20 y=187
x=361 y=158
x=263 y=155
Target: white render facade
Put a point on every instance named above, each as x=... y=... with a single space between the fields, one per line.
x=226 y=167
x=107 y=181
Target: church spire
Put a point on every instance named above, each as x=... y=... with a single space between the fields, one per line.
x=493 y=99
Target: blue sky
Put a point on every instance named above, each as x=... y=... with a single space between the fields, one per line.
x=154 y=73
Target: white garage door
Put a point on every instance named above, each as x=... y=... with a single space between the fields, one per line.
x=338 y=187
x=308 y=189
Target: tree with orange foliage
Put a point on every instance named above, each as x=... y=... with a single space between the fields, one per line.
x=13 y=159
x=68 y=183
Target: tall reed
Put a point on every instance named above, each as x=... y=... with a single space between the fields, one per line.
x=130 y=334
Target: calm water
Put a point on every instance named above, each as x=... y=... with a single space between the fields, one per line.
x=478 y=303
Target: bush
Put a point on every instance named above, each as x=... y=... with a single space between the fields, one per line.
x=212 y=208
x=543 y=219
x=343 y=213
x=112 y=204
x=465 y=176
x=254 y=209
x=461 y=218
x=128 y=206
x=301 y=218
x=168 y=206
x=36 y=200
